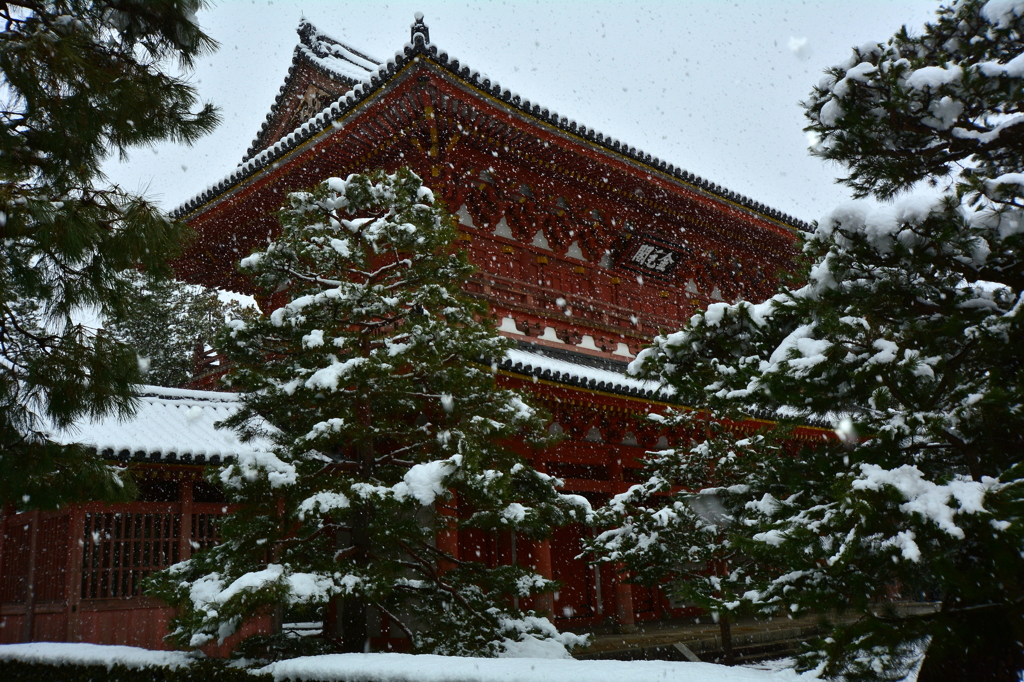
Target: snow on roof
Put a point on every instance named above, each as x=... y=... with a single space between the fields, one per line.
x=586 y=371
x=344 y=64
x=180 y=425
x=169 y=423
x=334 y=56
x=375 y=78
x=575 y=369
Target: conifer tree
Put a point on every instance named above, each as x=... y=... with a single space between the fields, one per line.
x=908 y=338
x=81 y=79
x=375 y=381
x=170 y=325
x=676 y=529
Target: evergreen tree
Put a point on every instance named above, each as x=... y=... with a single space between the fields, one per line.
x=676 y=529
x=908 y=337
x=171 y=325
x=81 y=79
x=374 y=380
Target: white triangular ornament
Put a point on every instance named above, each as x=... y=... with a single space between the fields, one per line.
x=575 y=251
x=540 y=240
x=503 y=230
x=464 y=217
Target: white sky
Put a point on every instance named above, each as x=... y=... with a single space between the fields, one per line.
x=712 y=86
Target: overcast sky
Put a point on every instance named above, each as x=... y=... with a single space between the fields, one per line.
x=711 y=86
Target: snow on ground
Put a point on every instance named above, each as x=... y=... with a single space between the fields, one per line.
x=409 y=668
x=66 y=653
x=425 y=668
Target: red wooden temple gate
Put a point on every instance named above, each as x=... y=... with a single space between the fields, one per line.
x=586 y=248
x=76 y=574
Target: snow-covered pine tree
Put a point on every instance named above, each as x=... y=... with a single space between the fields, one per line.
x=683 y=529
x=80 y=79
x=169 y=323
x=375 y=380
x=908 y=336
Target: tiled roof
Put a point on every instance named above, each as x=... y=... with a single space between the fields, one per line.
x=595 y=373
x=169 y=425
x=177 y=425
x=582 y=371
x=331 y=57
x=420 y=45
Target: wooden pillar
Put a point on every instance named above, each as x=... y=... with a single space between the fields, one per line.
x=615 y=470
x=541 y=551
x=73 y=587
x=30 y=578
x=185 y=533
x=5 y=513
x=597 y=586
x=623 y=601
x=514 y=561
x=623 y=591
x=544 y=602
x=447 y=536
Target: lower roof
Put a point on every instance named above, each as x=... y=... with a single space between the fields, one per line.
x=170 y=424
x=581 y=371
x=181 y=426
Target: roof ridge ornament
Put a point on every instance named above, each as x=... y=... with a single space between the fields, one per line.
x=419 y=28
x=306 y=29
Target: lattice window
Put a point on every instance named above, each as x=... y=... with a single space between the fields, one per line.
x=122 y=548
x=14 y=563
x=205 y=530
